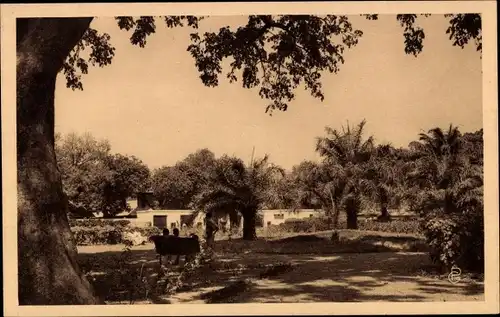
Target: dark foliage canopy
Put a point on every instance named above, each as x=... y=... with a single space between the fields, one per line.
x=275 y=53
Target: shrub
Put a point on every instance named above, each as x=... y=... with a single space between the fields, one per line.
x=456 y=241
x=96 y=235
x=305 y=225
x=133 y=238
x=410 y=226
x=91 y=223
x=452 y=215
x=112 y=235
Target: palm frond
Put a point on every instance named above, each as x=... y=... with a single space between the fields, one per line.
x=358 y=134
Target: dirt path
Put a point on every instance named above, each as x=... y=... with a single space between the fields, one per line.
x=346 y=277
x=387 y=276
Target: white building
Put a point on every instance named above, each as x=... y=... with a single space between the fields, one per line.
x=278 y=216
x=168 y=218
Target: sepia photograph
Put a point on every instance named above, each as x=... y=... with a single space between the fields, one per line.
x=183 y=154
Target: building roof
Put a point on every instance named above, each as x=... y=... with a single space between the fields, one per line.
x=127 y=213
x=145 y=192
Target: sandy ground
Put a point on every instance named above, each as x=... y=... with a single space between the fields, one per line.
x=387 y=276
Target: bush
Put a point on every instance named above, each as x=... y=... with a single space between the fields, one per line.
x=456 y=241
x=112 y=235
x=410 y=226
x=132 y=238
x=396 y=226
x=305 y=225
x=96 y=235
x=91 y=223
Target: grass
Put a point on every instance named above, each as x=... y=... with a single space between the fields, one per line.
x=280 y=267
x=350 y=241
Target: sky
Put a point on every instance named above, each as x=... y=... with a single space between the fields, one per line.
x=150 y=102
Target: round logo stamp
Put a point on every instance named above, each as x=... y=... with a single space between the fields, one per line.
x=454 y=276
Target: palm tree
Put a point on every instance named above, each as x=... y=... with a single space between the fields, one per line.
x=455 y=200
x=346 y=147
x=441 y=143
x=324 y=182
x=380 y=179
x=234 y=188
x=474 y=145
x=384 y=179
x=440 y=157
x=450 y=199
x=344 y=155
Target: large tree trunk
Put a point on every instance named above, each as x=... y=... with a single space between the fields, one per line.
x=352 y=219
x=331 y=217
x=249 y=225
x=335 y=216
x=47 y=255
x=352 y=206
x=384 y=212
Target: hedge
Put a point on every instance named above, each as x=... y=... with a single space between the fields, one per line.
x=305 y=225
x=411 y=226
x=96 y=232
x=91 y=223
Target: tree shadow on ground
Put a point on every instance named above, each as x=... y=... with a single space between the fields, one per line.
x=310 y=293
x=356 y=277
x=144 y=281
x=395 y=239
x=321 y=244
x=116 y=282
x=333 y=277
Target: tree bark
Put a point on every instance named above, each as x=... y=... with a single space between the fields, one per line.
x=47 y=256
x=335 y=216
x=352 y=219
x=249 y=225
x=351 y=207
x=384 y=212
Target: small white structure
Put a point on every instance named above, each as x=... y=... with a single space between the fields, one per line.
x=168 y=218
x=278 y=216
x=132 y=203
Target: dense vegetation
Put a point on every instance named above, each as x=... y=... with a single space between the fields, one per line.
x=438 y=178
x=96 y=180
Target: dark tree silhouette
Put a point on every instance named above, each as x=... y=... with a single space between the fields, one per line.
x=48 y=270
x=175 y=186
x=95 y=180
x=276 y=53
x=235 y=189
x=450 y=194
x=347 y=152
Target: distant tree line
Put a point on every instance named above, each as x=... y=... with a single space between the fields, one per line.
x=440 y=172
x=94 y=179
